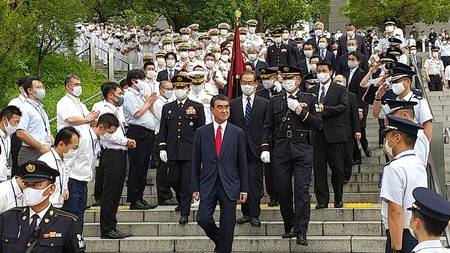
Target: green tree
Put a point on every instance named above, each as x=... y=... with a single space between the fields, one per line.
x=372 y=12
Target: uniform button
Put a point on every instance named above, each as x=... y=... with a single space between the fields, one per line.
x=179 y=117
x=289 y=126
x=178 y=137
x=288 y=118
x=6 y=240
x=179 y=130
x=179 y=123
x=51 y=244
x=28 y=244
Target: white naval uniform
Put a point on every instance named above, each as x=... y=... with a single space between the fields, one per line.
x=203 y=98
x=210 y=84
x=10 y=195
x=431 y=246
x=54 y=161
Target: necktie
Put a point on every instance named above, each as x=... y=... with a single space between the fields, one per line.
x=219 y=140
x=248 y=111
x=322 y=94
x=323 y=54
x=170 y=74
x=34 y=220
x=180 y=105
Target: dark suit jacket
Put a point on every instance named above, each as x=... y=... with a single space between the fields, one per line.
x=230 y=167
x=354 y=88
x=301 y=63
x=164 y=75
x=342 y=64
x=329 y=57
x=335 y=104
x=280 y=55
x=351 y=121
x=264 y=93
x=316 y=45
x=342 y=45
x=253 y=129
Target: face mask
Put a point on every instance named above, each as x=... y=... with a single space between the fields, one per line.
x=185 y=37
x=170 y=63
x=39 y=94
x=180 y=94
x=71 y=153
x=151 y=74
x=247 y=89
x=318 y=32
x=413 y=51
x=214 y=39
x=225 y=57
x=444 y=42
x=10 y=129
x=308 y=53
x=351 y=49
x=161 y=61
x=252 y=30
x=252 y=57
x=289 y=85
x=300 y=45
x=168 y=48
x=267 y=84
x=184 y=54
x=323 y=77
x=197 y=88
x=141 y=85
x=77 y=90
x=168 y=94
x=285 y=36
x=120 y=100
x=224 y=32
x=313 y=67
x=389 y=28
x=277 y=40
x=242 y=38
x=217 y=56
x=33 y=196
x=191 y=54
x=388 y=149
x=106 y=136
x=322 y=45
x=353 y=64
x=350 y=33
x=398 y=88
x=198 y=53
x=209 y=64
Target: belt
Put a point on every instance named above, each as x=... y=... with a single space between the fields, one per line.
x=115 y=150
x=142 y=128
x=299 y=136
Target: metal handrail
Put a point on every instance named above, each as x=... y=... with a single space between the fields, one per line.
x=84 y=102
x=115 y=56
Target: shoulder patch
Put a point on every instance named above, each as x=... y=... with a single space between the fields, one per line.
x=65 y=214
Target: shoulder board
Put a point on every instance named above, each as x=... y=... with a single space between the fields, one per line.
x=17 y=209
x=66 y=214
x=195 y=102
x=309 y=94
x=209 y=94
x=280 y=95
x=417 y=94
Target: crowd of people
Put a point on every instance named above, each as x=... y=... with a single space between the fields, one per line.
x=302 y=108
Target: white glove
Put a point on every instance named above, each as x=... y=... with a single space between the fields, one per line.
x=163 y=155
x=265 y=157
x=294 y=104
x=278 y=86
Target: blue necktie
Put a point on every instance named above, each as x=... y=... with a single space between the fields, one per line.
x=322 y=94
x=248 y=111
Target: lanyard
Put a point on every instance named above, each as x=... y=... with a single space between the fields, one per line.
x=42 y=117
x=77 y=103
x=14 y=192
x=4 y=148
x=60 y=173
x=116 y=113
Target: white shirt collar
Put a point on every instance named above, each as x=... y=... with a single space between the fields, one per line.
x=56 y=154
x=327 y=85
x=216 y=125
x=428 y=245
x=252 y=97
x=182 y=101
x=41 y=213
x=2 y=134
x=407 y=97
x=72 y=97
x=406 y=152
x=109 y=104
x=22 y=98
x=16 y=187
x=34 y=103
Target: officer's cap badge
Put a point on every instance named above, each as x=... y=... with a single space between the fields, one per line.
x=31 y=168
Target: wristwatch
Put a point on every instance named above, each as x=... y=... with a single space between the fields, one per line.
x=396 y=251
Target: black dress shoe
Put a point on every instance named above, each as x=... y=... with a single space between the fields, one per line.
x=321 y=206
x=138 y=205
x=368 y=152
x=177 y=208
x=290 y=234
x=272 y=203
x=123 y=233
x=150 y=206
x=255 y=222
x=243 y=219
x=301 y=239
x=338 y=205
x=113 y=234
x=168 y=202
x=184 y=219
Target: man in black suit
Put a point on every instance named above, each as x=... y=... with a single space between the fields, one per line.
x=351 y=35
x=279 y=54
x=330 y=140
x=323 y=52
x=342 y=61
x=248 y=112
x=354 y=77
x=316 y=34
x=352 y=127
x=289 y=122
x=179 y=121
x=303 y=60
x=219 y=173
x=170 y=71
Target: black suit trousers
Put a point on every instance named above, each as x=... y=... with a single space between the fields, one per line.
x=162 y=179
x=269 y=180
x=348 y=157
x=252 y=207
x=139 y=159
x=180 y=177
x=298 y=166
x=223 y=236
x=330 y=154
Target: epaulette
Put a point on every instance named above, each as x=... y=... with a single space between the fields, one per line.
x=18 y=209
x=417 y=94
x=66 y=214
x=309 y=94
x=209 y=94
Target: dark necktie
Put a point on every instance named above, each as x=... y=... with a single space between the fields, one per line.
x=219 y=140
x=34 y=219
x=180 y=105
x=248 y=111
x=170 y=74
x=322 y=94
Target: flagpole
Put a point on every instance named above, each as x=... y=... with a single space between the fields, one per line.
x=236 y=86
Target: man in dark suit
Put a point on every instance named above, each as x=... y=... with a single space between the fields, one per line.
x=323 y=52
x=279 y=54
x=351 y=35
x=303 y=60
x=170 y=71
x=352 y=127
x=342 y=61
x=316 y=34
x=219 y=173
x=248 y=112
x=330 y=140
x=289 y=121
x=179 y=121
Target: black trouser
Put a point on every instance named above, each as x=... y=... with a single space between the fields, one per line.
x=180 y=175
x=299 y=166
x=162 y=181
x=252 y=207
x=269 y=180
x=113 y=163
x=408 y=242
x=348 y=157
x=445 y=60
x=331 y=154
x=139 y=161
x=16 y=144
x=223 y=236
x=98 y=186
x=435 y=83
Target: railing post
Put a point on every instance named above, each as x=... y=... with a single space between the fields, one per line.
x=111 y=65
x=92 y=54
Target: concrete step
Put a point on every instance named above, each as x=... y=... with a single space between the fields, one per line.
x=350 y=212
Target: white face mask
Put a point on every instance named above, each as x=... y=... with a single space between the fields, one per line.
x=323 y=77
x=161 y=61
x=267 y=84
x=389 y=28
x=350 y=33
x=168 y=48
x=313 y=67
x=180 y=94
x=170 y=63
x=151 y=74
x=289 y=85
x=9 y=128
x=388 y=149
x=252 y=57
x=242 y=37
x=225 y=57
x=252 y=30
x=308 y=53
x=77 y=90
x=168 y=94
x=247 y=89
x=322 y=45
x=398 y=88
x=353 y=64
x=198 y=53
x=351 y=49
x=214 y=39
x=141 y=85
x=197 y=88
x=209 y=64
x=413 y=51
x=184 y=54
x=185 y=37
x=217 y=56
x=223 y=32
x=318 y=32
x=33 y=196
x=277 y=40
x=72 y=152
x=106 y=136
x=39 y=94
x=191 y=54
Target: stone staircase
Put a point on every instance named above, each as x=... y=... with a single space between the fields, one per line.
x=355 y=228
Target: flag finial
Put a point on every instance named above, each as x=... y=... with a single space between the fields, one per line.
x=237 y=14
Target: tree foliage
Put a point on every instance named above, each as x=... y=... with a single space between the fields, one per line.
x=373 y=12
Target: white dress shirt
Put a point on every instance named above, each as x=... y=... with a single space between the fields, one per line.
x=35 y=122
x=133 y=101
x=157 y=110
x=431 y=246
x=352 y=72
x=52 y=159
x=327 y=86
x=18 y=101
x=10 y=195
x=118 y=139
x=5 y=142
x=244 y=102
x=210 y=84
x=41 y=215
x=216 y=126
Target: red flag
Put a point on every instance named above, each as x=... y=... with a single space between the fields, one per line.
x=237 y=66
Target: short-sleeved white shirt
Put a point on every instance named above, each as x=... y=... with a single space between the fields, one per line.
x=52 y=159
x=10 y=195
x=400 y=178
x=5 y=142
x=447 y=73
x=422 y=111
x=35 y=122
x=133 y=101
x=434 y=66
x=118 y=140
